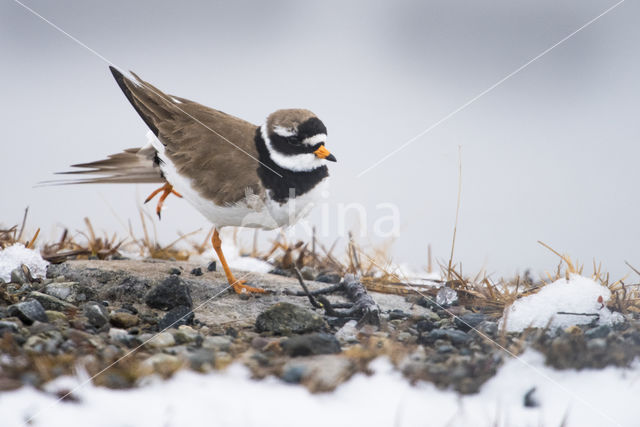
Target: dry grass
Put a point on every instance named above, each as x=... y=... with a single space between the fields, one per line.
x=375 y=266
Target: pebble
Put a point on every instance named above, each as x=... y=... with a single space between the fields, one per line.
x=469 y=320
x=28 y=311
x=293 y=374
x=6 y=325
x=185 y=334
x=123 y=320
x=285 y=318
x=425 y=325
x=217 y=343
x=119 y=335
x=446 y=348
x=197 y=271
x=170 y=293
x=96 y=314
x=211 y=266
x=310 y=344
x=176 y=317
x=332 y=278
x=52 y=303
x=202 y=360
x=163 y=364
x=348 y=333
x=598 y=332
x=453 y=335
x=319 y=373
x=308 y=273
x=163 y=339
x=56 y=316
x=21 y=275
x=175 y=271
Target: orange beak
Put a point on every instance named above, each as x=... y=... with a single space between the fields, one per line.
x=323 y=153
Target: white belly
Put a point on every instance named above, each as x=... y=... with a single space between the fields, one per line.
x=253 y=211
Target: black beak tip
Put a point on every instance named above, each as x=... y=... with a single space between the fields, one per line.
x=331 y=158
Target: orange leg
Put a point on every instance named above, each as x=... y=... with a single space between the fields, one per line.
x=238 y=285
x=166 y=190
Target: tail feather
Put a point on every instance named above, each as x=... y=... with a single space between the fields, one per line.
x=134 y=165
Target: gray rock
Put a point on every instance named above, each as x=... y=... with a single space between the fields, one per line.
x=185 y=334
x=488 y=327
x=329 y=278
x=293 y=374
x=52 y=303
x=307 y=345
x=176 y=317
x=285 y=318
x=72 y=292
x=217 y=343
x=197 y=271
x=202 y=360
x=453 y=335
x=348 y=333
x=163 y=339
x=598 y=332
x=170 y=293
x=21 y=275
x=96 y=313
x=469 y=320
x=6 y=325
x=130 y=288
x=308 y=273
x=28 y=311
x=446 y=348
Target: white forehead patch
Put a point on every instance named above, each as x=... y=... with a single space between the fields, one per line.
x=315 y=139
x=283 y=131
x=294 y=162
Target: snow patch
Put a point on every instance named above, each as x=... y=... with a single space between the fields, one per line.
x=13 y=256
x=231 y=398
x=577 y=295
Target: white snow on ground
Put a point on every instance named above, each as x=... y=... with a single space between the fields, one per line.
x=577 y=295
x=586 y=398
x=13 y=256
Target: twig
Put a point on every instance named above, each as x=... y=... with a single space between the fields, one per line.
x=455 y=226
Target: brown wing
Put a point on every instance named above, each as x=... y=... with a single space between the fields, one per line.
x=216 y=150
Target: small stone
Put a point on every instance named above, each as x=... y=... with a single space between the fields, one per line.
x=96 y=314
x=332 y=278
x=453 y=335
x=21 y=275
x=56 y=316
x=202 y=360
x=397 y=314
x=185 y=334
x=306 y=345
x=488 y=327
x=598 y=332
x=123 y=320
x=170 y=293
x=530 y=400
x=211 y=266
x=597 y=345
x=163 y=364
x=425 y=325
x=52 y=303
x=197 y=271
x=293 y=374
x=175 y=271
x=28 y=311
x=6 y=325
x=119 y=335
x=320 y=373
x=403 y=336
x=469 y=320
x=285 y=318
x=443 y=349
x=217 y=343
x=348 y=333
x=163 y=339
x=177 y=316
x=308 y=273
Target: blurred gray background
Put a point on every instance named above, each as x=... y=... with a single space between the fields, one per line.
x=549 y=155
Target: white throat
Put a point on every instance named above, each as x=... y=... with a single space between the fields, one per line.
x=294 y=162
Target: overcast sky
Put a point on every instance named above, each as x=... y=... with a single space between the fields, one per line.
x=550 y=154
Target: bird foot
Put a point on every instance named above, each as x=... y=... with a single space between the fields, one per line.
x=166 y=189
